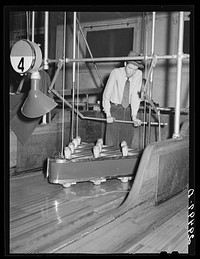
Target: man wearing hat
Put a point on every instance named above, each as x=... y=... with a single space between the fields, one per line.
x=121 y=101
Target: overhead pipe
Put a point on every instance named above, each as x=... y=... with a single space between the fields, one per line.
x=176 y=133
x=68 y=60
x=123 y=58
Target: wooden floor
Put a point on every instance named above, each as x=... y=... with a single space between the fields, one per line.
x=170 y=236
x=47 y=218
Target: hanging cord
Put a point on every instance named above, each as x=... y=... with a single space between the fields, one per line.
x=63 y=87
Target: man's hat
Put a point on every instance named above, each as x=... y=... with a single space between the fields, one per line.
x=137 y=63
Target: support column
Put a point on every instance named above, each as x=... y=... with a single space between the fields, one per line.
x=179 y=71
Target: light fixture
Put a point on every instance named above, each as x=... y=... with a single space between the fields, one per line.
x=37 y=103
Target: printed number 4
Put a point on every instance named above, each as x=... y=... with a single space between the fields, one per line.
x=21 y=64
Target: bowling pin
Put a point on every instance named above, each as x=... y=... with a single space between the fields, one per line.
x=71 y=146
x=99 y=145
x=67 y=152
x=96 y=151
x=75 y=141
x=123 y=143
x=78 y=139
x=125 y=150
x=100 y=140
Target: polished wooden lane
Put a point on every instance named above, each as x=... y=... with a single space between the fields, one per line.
x=170 y=236
x=140 y=230
x=47 y=218
x=43 y=215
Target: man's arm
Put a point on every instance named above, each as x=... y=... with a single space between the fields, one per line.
x=107 y=96
x=135 y=100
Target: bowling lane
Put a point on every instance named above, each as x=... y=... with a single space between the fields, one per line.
x=44 y=215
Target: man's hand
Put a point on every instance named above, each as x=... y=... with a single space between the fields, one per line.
x=136 y=121
x=110 y=119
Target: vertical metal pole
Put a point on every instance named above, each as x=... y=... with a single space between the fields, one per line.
x=33 y=27
x=73 y=74
x=77 y=91
x=179 y=71
x=46 y=34
x=153 y=33
x=151 y=76
x=63 y=87
x=159 y=127
x=145 y=40
x=46 y=66
x=27 y=25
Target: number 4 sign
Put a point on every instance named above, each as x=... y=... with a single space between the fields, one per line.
x=25 y=56
x=21 y=64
